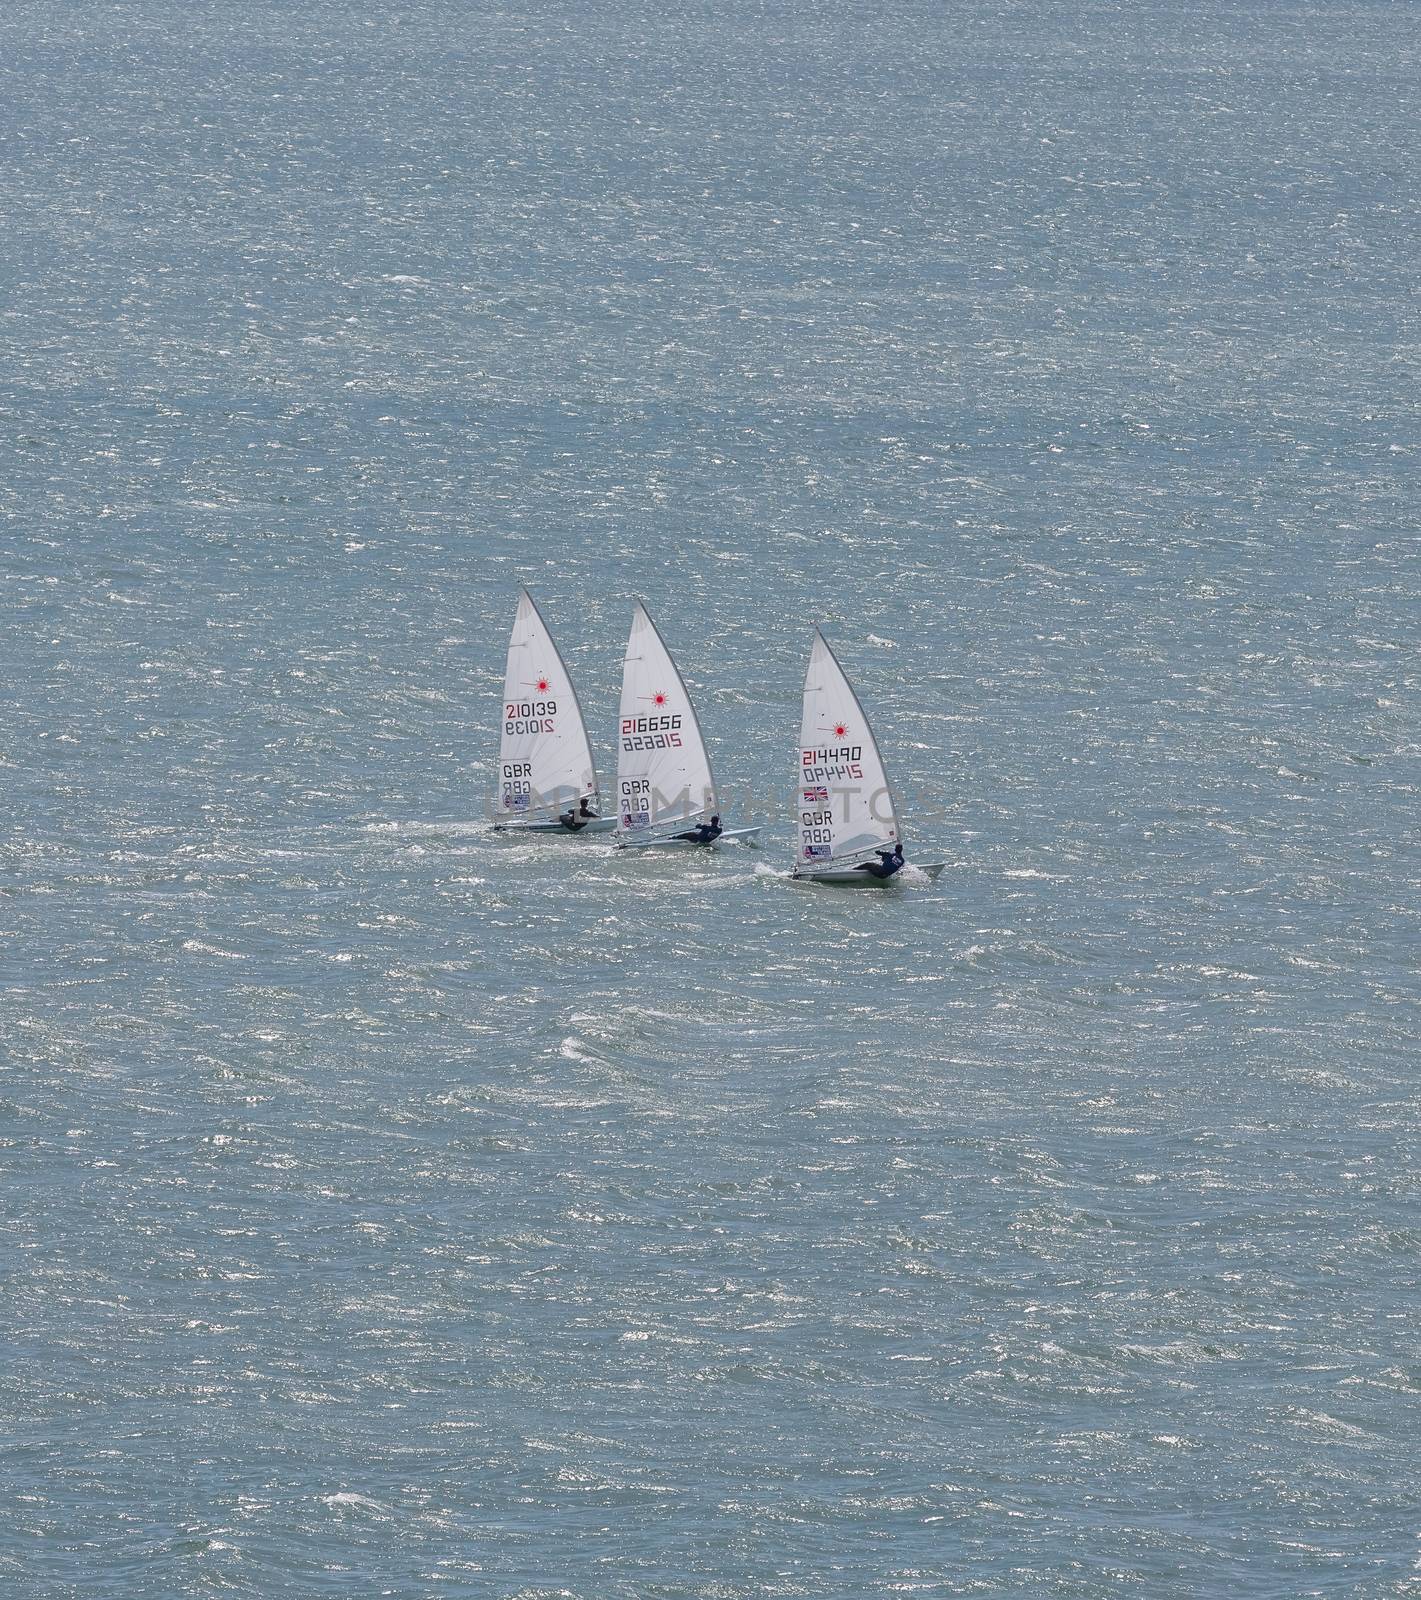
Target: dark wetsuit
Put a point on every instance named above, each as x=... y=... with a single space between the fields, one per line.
x=706 y=833
x=573 y=820
x=889 y=861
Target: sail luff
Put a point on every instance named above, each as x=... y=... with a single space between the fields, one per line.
x=545 y=757
x=872 y=736
x=664 y=776
x=841 y=773
x=690 y=707
x=572 y=689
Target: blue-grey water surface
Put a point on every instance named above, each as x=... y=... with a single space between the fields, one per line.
x=397 y=1209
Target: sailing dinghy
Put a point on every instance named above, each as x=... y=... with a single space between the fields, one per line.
x=665 y=787
x=847 y=813
x=545 y=768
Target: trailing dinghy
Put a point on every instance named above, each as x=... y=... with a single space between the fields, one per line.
x=665 y=787
x=848 y=819
x=545 y=767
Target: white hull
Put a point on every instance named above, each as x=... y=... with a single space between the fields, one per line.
x=747 y=835
x=552 y=825
x=852 y=878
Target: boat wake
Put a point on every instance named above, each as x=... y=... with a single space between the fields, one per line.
x=909 y=874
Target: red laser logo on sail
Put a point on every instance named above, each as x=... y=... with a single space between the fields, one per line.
x=652 y=732
x=832 y=762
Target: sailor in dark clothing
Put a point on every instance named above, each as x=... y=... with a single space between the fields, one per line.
x=573 y=820
x=705 y=833
x=889 y=861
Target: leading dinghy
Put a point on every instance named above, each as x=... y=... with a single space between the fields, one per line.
x=848 y=821
x=547 y=782
x=665 y=787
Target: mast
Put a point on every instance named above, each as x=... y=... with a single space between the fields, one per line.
x=572 y=688
x=690 y=704
x=868 y=729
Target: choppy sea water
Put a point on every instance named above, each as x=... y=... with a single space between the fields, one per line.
x=393 y=1208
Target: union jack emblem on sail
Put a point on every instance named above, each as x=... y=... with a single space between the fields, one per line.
x=816 y=852
x=812 y=795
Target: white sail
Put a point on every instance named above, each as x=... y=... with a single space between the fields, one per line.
x=544 y=759
x=845 y=804
x=664 y=779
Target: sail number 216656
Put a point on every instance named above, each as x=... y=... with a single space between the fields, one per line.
x=652 y=733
